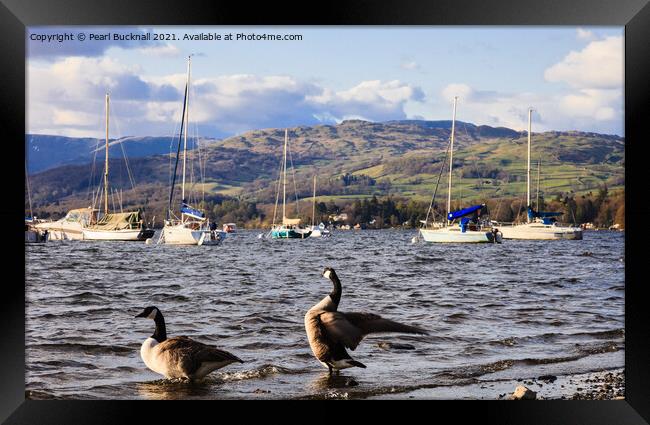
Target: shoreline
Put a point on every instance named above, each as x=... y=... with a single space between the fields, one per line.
x=606 y=384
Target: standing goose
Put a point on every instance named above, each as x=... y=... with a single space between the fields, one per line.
x=330 y=331
x=179 y=357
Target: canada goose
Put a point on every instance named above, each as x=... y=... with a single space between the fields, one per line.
x=330 y=331
x=179 y=357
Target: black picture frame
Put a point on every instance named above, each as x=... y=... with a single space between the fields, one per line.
x=15 y=15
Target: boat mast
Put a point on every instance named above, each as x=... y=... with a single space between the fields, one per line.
x=451 y=158
x=284 y=185
x=530 y=112
x=313 y=208
x=187 y=115
x=106 y=164
x=178 y=152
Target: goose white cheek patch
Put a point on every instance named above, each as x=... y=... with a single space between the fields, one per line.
x=152 y=315
x=327 y=274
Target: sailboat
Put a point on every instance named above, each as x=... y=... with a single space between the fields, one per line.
x=32 y=233
x=468 y=230
x=193 y=227
x=290 y=227
x=122 y=226
x=317 y=231
x=539 y=225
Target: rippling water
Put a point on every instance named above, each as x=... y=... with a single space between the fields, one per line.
x=493 y=311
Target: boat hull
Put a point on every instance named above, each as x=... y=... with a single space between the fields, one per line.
x=182 y=235
x=118 y=235
x=57 y=232
x=34 y=236
x=317 y=232
x=535 y=231
x=289 y=234
x=454 y=235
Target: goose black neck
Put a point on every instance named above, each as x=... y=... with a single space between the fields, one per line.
x=335 y=295
x=160 y=334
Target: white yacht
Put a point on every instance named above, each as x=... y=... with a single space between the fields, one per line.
x=122 y=226
x=467 y=230
x=539 y=225
x=193 y=227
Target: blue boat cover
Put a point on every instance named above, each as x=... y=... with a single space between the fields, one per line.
x=542 y=214
x=464 y=212
x=187 y=210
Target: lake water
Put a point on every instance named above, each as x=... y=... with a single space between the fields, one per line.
x=494 y=312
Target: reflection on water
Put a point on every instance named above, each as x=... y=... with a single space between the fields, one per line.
x=519 y=309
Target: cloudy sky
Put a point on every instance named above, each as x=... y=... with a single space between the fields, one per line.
x=571 y=76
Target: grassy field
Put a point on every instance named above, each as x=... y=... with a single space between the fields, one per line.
x=402 y=158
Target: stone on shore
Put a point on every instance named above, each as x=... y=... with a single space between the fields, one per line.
x=523 y=393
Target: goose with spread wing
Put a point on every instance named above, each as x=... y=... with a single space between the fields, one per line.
x=180 y=357
x=331 y=332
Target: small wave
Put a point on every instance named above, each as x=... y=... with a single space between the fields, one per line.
x=68 y=363
x=456 y=317
x=507 y=342
x=612 y=333
x=258 y=373
x=86 y=348
x=169 y=297
x=261 y=345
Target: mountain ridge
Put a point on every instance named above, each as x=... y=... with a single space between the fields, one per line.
x=358 y=159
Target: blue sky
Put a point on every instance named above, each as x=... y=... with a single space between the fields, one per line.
x=572 y=76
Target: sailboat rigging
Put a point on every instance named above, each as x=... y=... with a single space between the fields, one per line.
x=193 y=227
x=539 y=225
x=469 y=230
x=290 y=227
x=123 y=226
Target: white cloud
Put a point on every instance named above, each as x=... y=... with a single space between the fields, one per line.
x=601 y=105
x=456 y=89
x=72 y=118
x=371 y=100
x=598 y=65
x=598 y=110
x=584 y=34
x=161 y=50
x=411 y=65
x=67 y=96
x=594 y=76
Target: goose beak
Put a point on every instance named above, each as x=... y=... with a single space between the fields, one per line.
x=143 y=314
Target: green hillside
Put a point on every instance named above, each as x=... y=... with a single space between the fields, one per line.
x=357 y=159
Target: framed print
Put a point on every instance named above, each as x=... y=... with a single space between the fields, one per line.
x=379 y=201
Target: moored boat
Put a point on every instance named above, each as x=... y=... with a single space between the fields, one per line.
x=289 y=228
x=123 y=226
x=193 y=227
x=128 y=226
x=71 y=226
x=469 y=229
x=539 y=225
